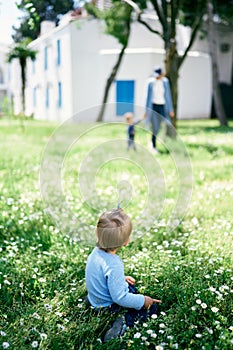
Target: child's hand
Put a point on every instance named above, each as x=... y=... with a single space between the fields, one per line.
x=150 y=301
x=130 y=280
x=172 y=114
x=144 y=116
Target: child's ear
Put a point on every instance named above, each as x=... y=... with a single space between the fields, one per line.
x=126 y=242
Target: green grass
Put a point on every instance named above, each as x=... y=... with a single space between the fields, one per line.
x=42 y=268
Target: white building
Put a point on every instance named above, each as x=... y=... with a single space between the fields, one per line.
x=5 y=95
x=75 y=59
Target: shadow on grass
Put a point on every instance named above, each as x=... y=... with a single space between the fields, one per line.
x=218 y=129
x=196 y=129
x=210 y=148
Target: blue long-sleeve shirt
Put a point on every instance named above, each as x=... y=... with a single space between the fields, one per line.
x=131 y=128
x=105 y=282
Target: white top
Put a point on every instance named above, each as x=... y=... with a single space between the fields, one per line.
x=158 y=92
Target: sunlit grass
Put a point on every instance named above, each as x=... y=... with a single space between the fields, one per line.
x=42 y=286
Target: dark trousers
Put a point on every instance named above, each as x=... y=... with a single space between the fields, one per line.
x=133 y=315
x=156 y=119
x=131 y=141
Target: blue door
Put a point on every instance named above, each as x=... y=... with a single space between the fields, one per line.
x=124 y=96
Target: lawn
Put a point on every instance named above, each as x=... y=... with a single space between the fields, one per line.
x=180 y=202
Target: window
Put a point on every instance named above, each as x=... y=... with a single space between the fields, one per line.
x=34 y=96
x=46 y=57
x=9 y=73
x=47 y=97
x=1 y=76
x=59 y=95
x=33 y=66
x=58 y=52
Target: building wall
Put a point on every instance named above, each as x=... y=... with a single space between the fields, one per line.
x=223 y=37
x=141 y=56
x=87 y=58
x=195 y=87
x=4 y=76
x=88 y=39
x=15 y=86
x=45 y=75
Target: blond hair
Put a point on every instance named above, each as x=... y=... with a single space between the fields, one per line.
x=113 y=229
x=128 y=117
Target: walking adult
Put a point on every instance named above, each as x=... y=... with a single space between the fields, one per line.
x=159 y=105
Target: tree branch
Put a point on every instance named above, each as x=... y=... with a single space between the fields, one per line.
x=139 y=19
x=134 y=6
x=149 y=27
x=161 y=15
x=164 y=5
x=195 y=28
x=165 y=26
x=173 y=18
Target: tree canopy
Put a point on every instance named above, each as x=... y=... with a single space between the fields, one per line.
x=117 y=19
x=36 y=11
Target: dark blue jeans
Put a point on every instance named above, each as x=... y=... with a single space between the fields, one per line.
x=131 y=141
x=156 y=119
x=133 y=315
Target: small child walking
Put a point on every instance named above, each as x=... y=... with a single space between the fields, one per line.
x=129 y=118
x=107 y=286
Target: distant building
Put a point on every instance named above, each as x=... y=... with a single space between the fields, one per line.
x=5 y=93
x=75 y=59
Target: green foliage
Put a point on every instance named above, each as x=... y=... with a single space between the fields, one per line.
x=222 y=9
x=36 y=11
x=42 y=286
x=117 y=19
x=21 y=52
x=26 y=29
x=188 y=12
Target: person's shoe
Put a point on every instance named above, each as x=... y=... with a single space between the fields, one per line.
x=118 y=329
x=152 y=149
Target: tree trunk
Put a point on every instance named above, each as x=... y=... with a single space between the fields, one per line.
x=219 y=109
x=171 y=64
x=23 y=82
x=109 y=83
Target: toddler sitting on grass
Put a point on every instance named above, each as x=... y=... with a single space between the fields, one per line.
x=107 y=286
